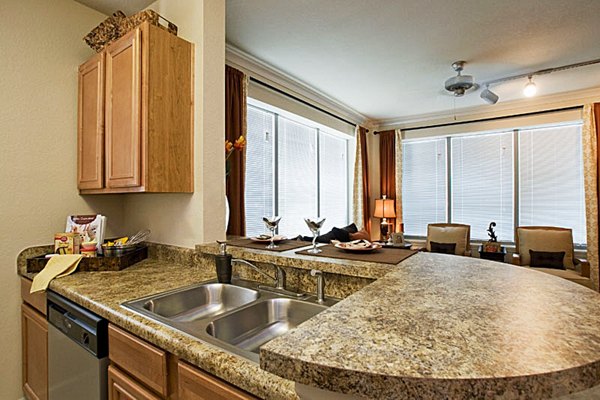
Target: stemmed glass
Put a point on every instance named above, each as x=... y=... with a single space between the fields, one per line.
x=271 y=223
x=315 y=226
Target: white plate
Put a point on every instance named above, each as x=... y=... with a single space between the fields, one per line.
x=358 y=247
x=263 y=239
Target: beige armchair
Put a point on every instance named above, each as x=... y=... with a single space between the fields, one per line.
x=551 y=239
x=458 y=234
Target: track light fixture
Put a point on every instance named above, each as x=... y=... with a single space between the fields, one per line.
x=530 y=88
x=488 y=96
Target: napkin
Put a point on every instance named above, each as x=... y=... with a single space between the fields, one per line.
x=57 y=266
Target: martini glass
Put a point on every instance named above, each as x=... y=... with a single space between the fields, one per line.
x=315 y=226
x=271 y=223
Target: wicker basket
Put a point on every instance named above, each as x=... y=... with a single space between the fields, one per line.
x=119 y=24
x=107 y=32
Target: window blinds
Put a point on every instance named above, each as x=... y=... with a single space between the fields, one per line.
x=482 y=183
x=259 y=160
x=424 y=189
x=551 y=190
x=333 y=180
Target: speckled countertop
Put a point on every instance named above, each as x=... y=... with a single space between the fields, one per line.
x=289 y=258
x=103 y=293
x=448 y=327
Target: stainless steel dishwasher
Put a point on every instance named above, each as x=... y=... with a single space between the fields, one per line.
x=77 y=351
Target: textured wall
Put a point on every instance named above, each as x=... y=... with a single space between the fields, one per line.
x=40 y=48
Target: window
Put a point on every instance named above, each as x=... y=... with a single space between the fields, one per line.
x=423 y=184
x=294 y=168
x=515 y=178
x=482 y=183
x=551 y=179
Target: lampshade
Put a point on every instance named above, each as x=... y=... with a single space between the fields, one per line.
x=384 y=208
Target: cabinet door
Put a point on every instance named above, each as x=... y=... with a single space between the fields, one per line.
x=195 y=384
x=122 y=387
x=90 y=124
x=123 y=118
x=34 y=329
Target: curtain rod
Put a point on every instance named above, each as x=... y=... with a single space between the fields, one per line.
x=490 y=119
x=306 y=103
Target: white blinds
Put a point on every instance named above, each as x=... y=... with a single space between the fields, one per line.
x=551 y=179
x=482 y=183
x=333 y=180
x=297 y=181
x=259 y=160
x=423 y=184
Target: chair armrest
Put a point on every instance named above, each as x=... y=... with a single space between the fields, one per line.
x=516 y=259
x=585 y=267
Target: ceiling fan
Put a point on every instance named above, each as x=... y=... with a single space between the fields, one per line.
x=460 y=84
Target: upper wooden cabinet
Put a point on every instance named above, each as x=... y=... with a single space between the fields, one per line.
x=136 y=115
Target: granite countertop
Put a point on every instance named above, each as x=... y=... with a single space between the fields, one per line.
x=444 y=326
x=289 y=258
x=103 y=293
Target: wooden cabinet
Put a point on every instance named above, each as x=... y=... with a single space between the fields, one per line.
x=135 y=131
x=141 y=371
x=195 y=384
x=122 y=387
x=34 y=330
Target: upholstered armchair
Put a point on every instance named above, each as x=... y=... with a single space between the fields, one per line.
x=449 y=238
x=550 y=250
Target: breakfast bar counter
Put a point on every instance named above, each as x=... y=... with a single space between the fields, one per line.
x=443 y=326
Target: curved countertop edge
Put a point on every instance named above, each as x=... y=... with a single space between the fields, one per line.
x=289 y=258
x=333 y=361
x=544 y=386
x=103 y=292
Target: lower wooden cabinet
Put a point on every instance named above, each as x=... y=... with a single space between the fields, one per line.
x=34 y=329
x=122 y=387
x=195 y=384
x=141 y=371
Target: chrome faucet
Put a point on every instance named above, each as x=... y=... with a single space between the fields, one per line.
x=279 y=280
x=320 y=284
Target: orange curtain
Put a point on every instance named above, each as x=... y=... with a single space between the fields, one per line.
x=362 y=136
x=387 y=166
x=235 y=125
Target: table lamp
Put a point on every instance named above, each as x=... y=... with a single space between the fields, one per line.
x=384 y=209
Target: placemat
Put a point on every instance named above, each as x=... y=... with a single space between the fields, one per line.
x=282 y=246
x=384 y=255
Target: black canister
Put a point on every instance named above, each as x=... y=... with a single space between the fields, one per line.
x=223 y=263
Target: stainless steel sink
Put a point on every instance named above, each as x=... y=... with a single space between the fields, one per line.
x=259 y=323
x=195 y=302
x=238 y=318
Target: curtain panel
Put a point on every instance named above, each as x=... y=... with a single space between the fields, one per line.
x=398 y=160
x=361 y=187
x=387 y=167
x=236 y=87
x=591 y=172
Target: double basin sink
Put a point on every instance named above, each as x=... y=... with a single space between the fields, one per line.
x=236 y=317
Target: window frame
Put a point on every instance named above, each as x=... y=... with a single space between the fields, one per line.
x=516 y=170
x=320 y=129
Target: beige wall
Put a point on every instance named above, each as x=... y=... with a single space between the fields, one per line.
x=189 y=219
x=40 y=49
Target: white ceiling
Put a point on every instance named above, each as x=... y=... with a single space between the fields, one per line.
x=110 y=6
x=389 y=58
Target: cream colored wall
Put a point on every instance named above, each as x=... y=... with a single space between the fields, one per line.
x=189 y=219
x=40 y=48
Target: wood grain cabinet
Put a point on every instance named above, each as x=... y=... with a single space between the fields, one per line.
x=135 y=115
x=141 y=371
x=34 y=331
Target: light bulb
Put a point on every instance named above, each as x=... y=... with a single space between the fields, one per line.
x=530 y=89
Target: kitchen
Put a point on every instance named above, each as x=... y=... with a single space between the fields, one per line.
x=39 y=174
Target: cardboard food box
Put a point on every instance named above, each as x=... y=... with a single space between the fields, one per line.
x=67 y=243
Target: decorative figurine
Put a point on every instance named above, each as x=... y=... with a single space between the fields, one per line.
x=491 y=233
